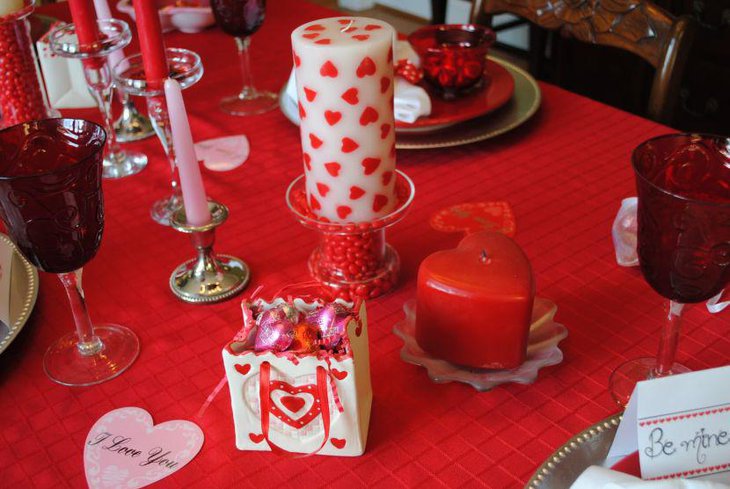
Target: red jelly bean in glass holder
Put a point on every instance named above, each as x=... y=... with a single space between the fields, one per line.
x=352 y=260
x=22 y=95
x=453 y=57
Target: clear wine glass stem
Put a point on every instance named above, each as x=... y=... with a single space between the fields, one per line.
x=248 y=90
x=88 y=343
x=669 y=339
x=157 y=108
x=99 y=79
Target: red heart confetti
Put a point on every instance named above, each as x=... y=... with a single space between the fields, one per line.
x=387 y=176
x=311 y=35
x=333 y=168
x=379 y=202
x=314 y=203
x=349 y=145
x=384 y=84
x=338 y=443
x=243 y=369
x=384 y=131
x=256 y=438
x=370 y=165
x=315 y=27
x=315 y=141
x=356 y=192
x=343 y=211
x=323 y=189
x=366 y=68
x=369 y=115
x=332 y=116
x=476 y=216
x=302 y=112
x=361 y=37
x=307 y=161
x=310 y=94
x=372 y=27
x=350 y=96
x=328 y=69
x=323 y=41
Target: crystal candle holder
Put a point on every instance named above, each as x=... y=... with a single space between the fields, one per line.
x=352 y=260
x=208 y=277
x=187 y=69
x=114 y=35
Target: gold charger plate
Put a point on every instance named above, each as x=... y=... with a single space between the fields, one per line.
x=23 y=294
x=587 y=448
x=524 y=104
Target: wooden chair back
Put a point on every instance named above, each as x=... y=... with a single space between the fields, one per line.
x=637 y=26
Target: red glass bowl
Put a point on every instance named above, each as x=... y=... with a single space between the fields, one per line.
x=453 y=56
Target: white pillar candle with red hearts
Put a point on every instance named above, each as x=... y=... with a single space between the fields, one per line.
x=344 y=72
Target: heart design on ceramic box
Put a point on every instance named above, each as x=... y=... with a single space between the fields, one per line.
x=125 y=449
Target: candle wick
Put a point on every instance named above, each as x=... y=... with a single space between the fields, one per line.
x=484 y=258
x=348 y=26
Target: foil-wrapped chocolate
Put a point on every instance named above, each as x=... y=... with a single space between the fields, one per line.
x=275 y=330
x=305 y=338
x=331 y=323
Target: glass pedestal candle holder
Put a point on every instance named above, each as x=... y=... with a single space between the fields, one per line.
x=352 y=260
x=187 y=69
x=208 y=277
x=114 y=35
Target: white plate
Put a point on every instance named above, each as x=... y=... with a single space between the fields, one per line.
x=23 y=293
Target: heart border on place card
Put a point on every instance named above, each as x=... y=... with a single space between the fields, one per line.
x=107 y=469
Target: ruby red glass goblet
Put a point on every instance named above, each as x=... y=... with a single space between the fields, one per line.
x=52 y=205
x=683 y=184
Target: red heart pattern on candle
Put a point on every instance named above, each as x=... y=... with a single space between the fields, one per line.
x=307 y=161
x=350 y=96
x=310 y=94
x=333 y=168
x=356 y=192
x=328 y=69
x=366 y=68
x=315 y=141
x=352 y=65
x=369 y=115
x=333 y=117
x=349 y=145
x=370 y=165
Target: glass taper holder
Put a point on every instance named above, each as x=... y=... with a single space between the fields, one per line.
x=131 y=124
x=186 y=68
x=114 y=35
x=352 y=260
x=208 y=277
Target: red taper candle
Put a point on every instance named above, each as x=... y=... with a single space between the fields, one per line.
x=151 y=44
x=84 y=17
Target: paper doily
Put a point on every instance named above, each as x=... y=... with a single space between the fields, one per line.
x=542 y=351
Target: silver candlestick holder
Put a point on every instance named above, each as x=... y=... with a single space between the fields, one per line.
x=131 y=124
x=208 y=277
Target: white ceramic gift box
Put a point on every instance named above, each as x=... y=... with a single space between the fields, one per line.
x=344 y=76
x=316 y=403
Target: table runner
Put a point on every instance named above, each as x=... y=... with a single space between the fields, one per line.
x=564 y=173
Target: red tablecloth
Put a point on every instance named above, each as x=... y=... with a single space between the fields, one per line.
x=564 y=173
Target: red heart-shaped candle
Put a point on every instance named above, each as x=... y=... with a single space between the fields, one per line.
x=475 y=302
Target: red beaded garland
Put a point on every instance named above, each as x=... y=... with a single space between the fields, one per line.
x=21 y=96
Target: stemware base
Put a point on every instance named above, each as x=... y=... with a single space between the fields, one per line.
x=64 y=363
x=624 y=378
x=257 y=103
x=131 y=125
x=123 y=164
x=163 y=209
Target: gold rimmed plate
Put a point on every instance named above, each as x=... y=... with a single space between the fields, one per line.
x=23 y=294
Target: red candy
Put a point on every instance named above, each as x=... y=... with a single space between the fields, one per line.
x=21 y=96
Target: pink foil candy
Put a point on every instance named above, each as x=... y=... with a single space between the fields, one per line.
x=275 y=331
x=331 y=321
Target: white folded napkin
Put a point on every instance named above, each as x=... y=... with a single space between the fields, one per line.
x=410 y=101
x=601 y=478
x=623 y=233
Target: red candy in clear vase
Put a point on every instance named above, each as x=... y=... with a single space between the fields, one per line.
x=22 y=96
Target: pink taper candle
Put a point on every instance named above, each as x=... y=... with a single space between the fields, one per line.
x=196 y=203
x=103 y=12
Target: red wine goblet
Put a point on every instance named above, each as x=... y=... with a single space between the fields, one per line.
x=241 y=19
x=683 y=185
x=52 y=205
